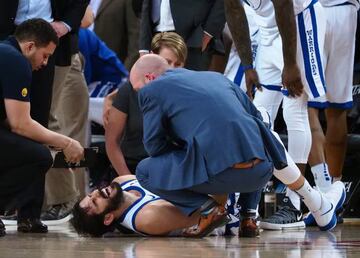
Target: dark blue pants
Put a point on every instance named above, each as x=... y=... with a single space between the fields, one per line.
x=23 y=165
x=228 y=181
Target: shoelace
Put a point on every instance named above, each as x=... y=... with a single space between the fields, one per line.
x=54 y=210
x=283 y=212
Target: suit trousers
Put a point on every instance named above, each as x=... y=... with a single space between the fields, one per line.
x=68 y=116
x=23 y=165
x=198 y=60
x=227 y=181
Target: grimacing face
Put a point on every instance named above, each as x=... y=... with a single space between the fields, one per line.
x=39 y=56
x=100 y=200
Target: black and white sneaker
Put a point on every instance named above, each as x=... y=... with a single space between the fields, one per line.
x=2 y=229
x=285 y=218
x=58 y=214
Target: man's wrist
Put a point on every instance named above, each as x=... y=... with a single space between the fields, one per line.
x=247 y=67
x=68 y=145
x=66 y=25
x=207 y=33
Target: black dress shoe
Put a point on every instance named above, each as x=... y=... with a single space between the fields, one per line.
x=2 y=229
x=31 y=226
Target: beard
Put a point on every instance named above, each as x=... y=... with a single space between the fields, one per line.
x=115 y=201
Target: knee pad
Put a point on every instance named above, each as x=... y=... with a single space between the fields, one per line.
x=299 y=133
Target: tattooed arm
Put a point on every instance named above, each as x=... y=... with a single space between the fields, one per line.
x=285 y=19
x=239 y=28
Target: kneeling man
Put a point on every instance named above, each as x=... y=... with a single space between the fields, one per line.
x=204 y=136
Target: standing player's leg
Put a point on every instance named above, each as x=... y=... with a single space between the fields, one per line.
x=338 y=75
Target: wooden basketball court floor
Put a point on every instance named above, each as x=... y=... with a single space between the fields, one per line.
x=63 y=242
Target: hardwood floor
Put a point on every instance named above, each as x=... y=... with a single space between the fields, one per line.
x=62 y=242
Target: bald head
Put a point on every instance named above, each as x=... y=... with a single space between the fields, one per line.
x=146 y=69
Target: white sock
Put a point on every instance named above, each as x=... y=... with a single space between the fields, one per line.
x=321 y=176
x=310 y=196
x=293 y=197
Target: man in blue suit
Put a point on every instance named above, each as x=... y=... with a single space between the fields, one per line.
x=204 y=136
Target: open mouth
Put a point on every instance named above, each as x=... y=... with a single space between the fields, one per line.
x=105 y=193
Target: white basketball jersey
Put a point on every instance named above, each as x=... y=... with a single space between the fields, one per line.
x=265 y=19
x=329 y=3
x=127 y=219
x=265 y=11
x=301 y=5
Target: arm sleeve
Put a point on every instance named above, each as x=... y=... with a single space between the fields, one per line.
x=155 y=140
x=16 y=79
x=215 y=21
x=121 y=101
x=132 y=24
x=74 y=13
x=245 y=102
x=145 y=27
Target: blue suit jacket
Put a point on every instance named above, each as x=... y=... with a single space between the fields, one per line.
x=197 y=124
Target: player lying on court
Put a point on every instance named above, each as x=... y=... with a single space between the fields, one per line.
x=124 y=202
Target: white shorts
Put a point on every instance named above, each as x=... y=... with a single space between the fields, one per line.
x=269 y=64
x=339 y=52
x=311 y=24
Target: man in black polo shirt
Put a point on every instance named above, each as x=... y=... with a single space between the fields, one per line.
x=24 y=159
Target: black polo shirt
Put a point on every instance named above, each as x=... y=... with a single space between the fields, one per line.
x=15 y=74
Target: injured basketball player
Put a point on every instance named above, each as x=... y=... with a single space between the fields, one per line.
x=125 y=203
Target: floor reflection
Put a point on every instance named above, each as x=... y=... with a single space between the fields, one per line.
x=63 y=242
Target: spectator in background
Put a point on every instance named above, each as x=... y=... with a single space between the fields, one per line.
x=200 y=23
x=69 y=111
x=116 y=24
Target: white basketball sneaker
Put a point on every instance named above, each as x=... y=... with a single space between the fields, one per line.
x=331 y=201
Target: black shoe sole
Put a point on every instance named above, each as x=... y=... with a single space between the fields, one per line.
x=26 y=230
x=221 y=222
